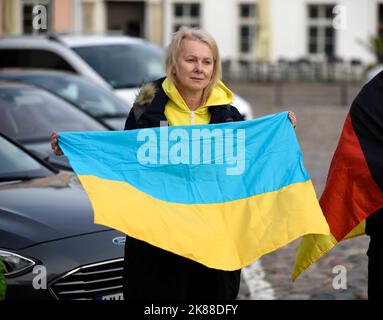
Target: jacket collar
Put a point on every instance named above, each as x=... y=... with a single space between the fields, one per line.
x=155 y=110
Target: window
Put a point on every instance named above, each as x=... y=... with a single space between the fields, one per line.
x=321 y=34
x=32 y=58
x=28 y=15
x=186 y=14
x=124 y=65
x=30 y=115
x=247 y=28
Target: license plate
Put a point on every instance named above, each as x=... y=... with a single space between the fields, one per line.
x=115 y=296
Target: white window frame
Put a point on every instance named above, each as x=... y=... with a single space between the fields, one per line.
x=320 y=23
x=186 y=19
x=252 y=23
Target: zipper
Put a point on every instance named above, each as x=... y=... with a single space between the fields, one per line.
x=191 y=117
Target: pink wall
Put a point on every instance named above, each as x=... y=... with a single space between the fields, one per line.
x=63 y=16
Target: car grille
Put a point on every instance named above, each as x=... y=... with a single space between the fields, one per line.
x=90 y=282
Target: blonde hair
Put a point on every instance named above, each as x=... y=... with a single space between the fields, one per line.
x=174 y=50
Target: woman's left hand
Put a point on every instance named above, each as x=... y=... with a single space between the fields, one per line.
x=293 y=119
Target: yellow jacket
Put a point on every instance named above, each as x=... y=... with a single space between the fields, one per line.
x=177 y=112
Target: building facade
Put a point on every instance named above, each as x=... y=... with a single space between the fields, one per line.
x=246 y=30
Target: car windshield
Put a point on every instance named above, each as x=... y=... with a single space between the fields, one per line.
x=125 y=65
x=31 y=115
x=15 y=164
x=98 y=101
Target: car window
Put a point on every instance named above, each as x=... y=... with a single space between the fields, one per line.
x=14 y=163
x=93 y=99
x=29 y=115
x=125 y=65
x=32 y=58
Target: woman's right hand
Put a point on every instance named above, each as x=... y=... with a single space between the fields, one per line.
x=54 y=144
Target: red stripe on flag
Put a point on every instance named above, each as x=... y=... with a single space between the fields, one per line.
x=351 y=193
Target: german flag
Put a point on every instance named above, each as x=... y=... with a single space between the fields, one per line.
x=354 y=186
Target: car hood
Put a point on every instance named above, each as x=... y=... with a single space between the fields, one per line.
x=44 y=209
x=243 y=107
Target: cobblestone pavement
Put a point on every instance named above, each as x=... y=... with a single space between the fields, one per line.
x=320 y=117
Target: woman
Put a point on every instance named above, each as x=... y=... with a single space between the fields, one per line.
x=191 y=93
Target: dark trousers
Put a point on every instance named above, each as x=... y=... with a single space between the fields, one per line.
x=374 y=228
x=151 y=273
x=375 y=268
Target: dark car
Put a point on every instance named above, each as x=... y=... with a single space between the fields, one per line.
x=100 y=102
x=50 y=247
x=29 y=115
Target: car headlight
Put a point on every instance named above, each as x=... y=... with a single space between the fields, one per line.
x=14 y=263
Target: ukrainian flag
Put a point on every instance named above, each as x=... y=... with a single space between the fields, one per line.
x=220 y=194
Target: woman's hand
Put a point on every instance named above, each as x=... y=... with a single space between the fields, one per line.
x=54 y=144
x=293 y=119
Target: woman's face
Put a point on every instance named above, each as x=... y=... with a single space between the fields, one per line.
x=195 y=64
